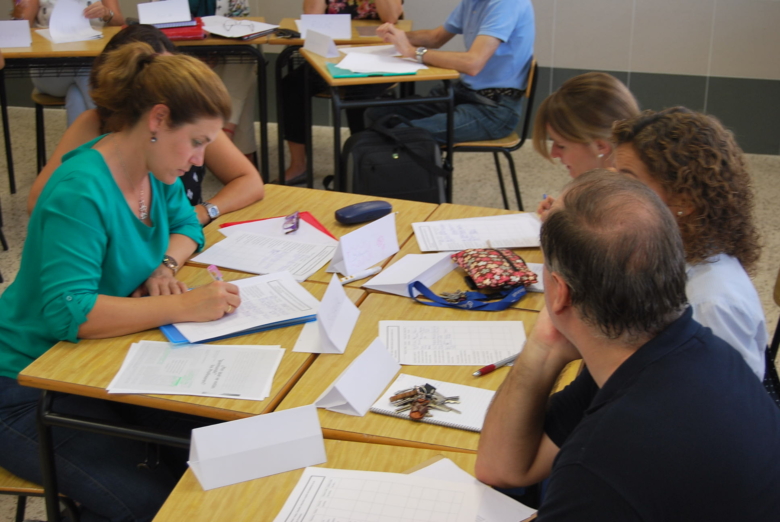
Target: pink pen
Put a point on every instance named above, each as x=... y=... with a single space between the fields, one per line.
x=215 y=273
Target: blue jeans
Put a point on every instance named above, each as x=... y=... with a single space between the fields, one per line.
x=99 y=472
x=476 y=118
x=75 y=90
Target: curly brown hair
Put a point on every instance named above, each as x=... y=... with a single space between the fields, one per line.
x=692 y=155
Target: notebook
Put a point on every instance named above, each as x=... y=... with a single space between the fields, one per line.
x=338 y=72
x=474 y=403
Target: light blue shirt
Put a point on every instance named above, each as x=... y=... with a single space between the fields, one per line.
x=512 y=22
x=724 y=299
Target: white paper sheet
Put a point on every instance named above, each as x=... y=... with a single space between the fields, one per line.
x=320 y=44
x=324 y=495
x=366 y=246
x=209 y=370
x=264 y=254
x=361 y=382
x=427 y=268
x=494 y=506
x=335 y=322
x=306 y=233
x=165 y=12
x=374 y=50
x=230 y=28
x=259 y=446
x=452 y=343
x=371 y=63
x=510 y=231
x=15 y=33
x=538 y=269
x=67 y=23
x=265 y=299
x=337 y=26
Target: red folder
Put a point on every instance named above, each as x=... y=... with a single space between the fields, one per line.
x=194 y=32
x=306 y=216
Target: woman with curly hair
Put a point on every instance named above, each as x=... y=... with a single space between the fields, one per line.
x=578 y=119
x=693 y=163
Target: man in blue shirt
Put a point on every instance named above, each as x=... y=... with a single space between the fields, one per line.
x=499 y=37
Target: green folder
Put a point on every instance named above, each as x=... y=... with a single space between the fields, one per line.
x=337 y=72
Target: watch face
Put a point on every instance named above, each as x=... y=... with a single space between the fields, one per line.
x=213 y=211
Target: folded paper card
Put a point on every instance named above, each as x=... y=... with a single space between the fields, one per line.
x=246 y=449
x=538 y=269
x=362 y=382
x=335 y=322
x=167 y=12
x=320 y=44
x=426 y=268
x=337 y=26
x=366 y=246
x=15 y=33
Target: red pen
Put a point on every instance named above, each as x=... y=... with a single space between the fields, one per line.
x=490 y=367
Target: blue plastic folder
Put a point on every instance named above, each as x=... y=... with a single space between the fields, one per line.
x=175 y=336
x=338 y=72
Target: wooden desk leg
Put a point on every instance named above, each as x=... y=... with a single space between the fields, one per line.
x=46 y=449
x=9 y=159
x=336 y=104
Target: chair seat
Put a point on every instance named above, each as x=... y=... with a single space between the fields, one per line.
x=47 y=100
x=507 y=142
x=11 y=484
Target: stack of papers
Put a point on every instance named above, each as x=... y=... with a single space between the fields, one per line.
x=510 y=231
x=378 y=63
x=235 y=372
x=167 y=14
x=236 y=28
x=267 y=302
x=67 y=24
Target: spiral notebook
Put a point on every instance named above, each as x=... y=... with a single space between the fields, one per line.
x=474 y=403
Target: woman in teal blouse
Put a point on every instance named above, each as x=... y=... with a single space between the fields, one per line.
x=108 y=229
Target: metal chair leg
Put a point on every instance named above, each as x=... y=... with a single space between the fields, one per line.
x=501 y=180
x=21 y=505
x=513 y=172
x=40 y=136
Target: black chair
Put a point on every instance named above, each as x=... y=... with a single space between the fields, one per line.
x=509 y=144
x=771 y=379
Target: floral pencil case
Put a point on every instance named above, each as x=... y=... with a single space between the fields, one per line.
x=494 y=269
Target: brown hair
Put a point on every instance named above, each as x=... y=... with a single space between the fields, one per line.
x=694 y=156
x=134 y=78
x=617 y=247
x=583 y=109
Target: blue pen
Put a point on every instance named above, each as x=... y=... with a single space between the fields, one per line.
x=544 y=196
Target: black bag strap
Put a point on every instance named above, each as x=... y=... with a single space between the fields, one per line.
x=380 y=127
x=468 y=300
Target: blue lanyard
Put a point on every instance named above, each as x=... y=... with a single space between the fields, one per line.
x=470 y=300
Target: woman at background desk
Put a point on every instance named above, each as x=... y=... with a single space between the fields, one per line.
x=111 y=226
x=388 y=11
x=698 y=170
x=578 y=118
x=243 y=185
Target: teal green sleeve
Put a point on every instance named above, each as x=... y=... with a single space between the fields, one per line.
x=73 y=244
x=182 y=218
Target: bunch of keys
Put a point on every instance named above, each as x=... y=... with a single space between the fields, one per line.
x=419 y=399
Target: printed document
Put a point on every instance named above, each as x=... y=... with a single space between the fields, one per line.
x=209 y=370
x=67 y=23
x=377 y=63
x=229 y=28
x=494 y=507
x=452 y=343
x=510 y=231
x=264 y=254
x=375 y=50
x=265 y=300
x=325 y=495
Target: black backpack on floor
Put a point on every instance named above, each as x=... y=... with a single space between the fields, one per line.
x=402 y=162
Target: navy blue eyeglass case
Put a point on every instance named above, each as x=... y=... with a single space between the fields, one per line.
x=362 y=212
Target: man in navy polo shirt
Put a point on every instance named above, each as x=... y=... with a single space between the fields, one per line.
x=499 y=38
x=667 y=422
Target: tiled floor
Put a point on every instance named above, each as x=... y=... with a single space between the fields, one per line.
x=475 y=184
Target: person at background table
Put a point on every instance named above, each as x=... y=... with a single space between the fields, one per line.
x=578 y=118
x=666 y=422
x=698 y=170
x=389 y=11
x=499 y=38
x=108 y=228
x=243 y=184
x=74 y=88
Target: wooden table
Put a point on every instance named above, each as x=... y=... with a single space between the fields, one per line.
x=44 y=57
x=356 y=39
x=260 y=500
x=384 y=429
x=318 y=64
x=454 y=280
x=282 y=200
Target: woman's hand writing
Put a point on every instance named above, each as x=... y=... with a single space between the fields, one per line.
x=211 y=302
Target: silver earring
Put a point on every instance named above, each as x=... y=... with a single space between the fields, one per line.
x=154 y=139
x=601 y=156
x=679 y=212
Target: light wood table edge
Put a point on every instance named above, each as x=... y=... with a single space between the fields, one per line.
x=365 y=438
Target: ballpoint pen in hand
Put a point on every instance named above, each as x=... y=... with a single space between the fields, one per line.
x=215 y=273
x=490 y=367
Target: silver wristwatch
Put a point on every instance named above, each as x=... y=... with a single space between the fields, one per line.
x=211 y=210
x=420 y=53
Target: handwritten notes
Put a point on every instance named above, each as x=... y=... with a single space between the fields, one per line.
x=511 y=231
